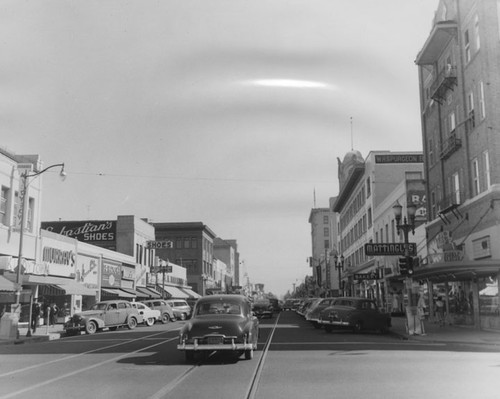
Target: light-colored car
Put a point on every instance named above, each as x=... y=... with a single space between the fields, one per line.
x=167 y=314
x=150 y=316
x=105 y=314
x=181 y=308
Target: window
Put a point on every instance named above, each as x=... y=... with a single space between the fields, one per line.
x=482 y=107
x=325 y=219
x=475 y=176
x=470 y=108
x=452 y=121
x=368 y=187
x=433 y=203
x=486 y=160
x=467 y=46
x=178 y=243
x=455 y=188
x=326 y=232
x=369 y=217
x=194 y=242
x=29 y=214
x=327 y=244
x=3 y=205
x=187 y=241
x=476 y=33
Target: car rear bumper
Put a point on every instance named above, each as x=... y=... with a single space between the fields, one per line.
x=215 y=347
x=334 y=322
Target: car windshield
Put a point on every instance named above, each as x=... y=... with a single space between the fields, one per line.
x=99 y=306
x=219 y=307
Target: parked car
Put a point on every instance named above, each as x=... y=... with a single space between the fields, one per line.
x=262 y=308
x=105 y=314
x=181 y=308
x=275 y=303
x=150 y=316
x=312 y=314
x=220 y=323
x=167 y=313
x=305 y=305
x=357 y=314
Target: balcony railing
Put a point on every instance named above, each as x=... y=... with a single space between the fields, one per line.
x=452 y=144
x=445 y=80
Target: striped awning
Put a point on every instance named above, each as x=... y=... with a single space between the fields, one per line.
x=147 y=292
x=117 y=292
x=174 y=292
x=7 y=285
x=191 y=293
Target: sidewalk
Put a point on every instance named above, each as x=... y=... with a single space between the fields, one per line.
x=447 y=333
x=43 y=333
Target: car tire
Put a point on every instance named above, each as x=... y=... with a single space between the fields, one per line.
x=357 y=327
x=249 y=354
x=149 y=322
x=114 y=328
x=91 y=327
x=165 y=318
x=316 y=325
x=131 y=323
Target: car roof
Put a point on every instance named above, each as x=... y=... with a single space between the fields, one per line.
x=223 y=297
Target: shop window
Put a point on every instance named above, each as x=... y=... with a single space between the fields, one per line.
x=3 y=205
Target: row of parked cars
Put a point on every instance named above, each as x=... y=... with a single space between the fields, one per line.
x=117 y=313
x=357 y=314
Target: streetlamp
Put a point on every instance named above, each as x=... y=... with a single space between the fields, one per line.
x=22 y=201
x=339 y=265
x=405 y=227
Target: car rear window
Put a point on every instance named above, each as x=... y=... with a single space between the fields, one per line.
x=225 y=307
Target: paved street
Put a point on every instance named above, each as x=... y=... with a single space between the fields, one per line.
x=294 y=360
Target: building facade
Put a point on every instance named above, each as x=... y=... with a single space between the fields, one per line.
x=323 y=223
x=459 y=81
x=193 y=248
x=364 y=186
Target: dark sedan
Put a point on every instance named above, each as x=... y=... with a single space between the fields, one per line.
x=357 y=314
x=262 y=308
x=220 y=323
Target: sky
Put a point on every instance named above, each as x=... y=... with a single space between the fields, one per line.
x=228 y=112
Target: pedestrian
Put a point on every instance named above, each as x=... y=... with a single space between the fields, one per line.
x=395 y=303
x=54 y=310
x=35 y=315
x=440 y=310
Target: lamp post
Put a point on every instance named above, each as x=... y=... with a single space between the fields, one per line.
x=407 y=225
x=339 y=265
x=22 y=203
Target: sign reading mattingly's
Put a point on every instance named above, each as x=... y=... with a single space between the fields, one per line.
x=101 y=233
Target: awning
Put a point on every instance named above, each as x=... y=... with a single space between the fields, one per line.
x=74 y=288
x=7 y=285
x=146 y=292
x=175 y=292
x=129 y=291
x=118 y=292
x=191 y=293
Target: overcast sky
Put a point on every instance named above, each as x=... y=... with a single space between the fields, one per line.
x=228 y=112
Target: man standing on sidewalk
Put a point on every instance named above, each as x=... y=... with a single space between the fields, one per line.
x=440 y=310
x=35 y=315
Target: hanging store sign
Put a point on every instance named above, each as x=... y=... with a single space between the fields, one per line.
x=160 y=244
x=390 y=249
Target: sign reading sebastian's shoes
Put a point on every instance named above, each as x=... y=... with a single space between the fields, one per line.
x=397 y=248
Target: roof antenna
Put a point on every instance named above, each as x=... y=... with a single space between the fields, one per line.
x=352 y=137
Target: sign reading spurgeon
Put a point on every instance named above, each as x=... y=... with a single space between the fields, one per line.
x=397 y=248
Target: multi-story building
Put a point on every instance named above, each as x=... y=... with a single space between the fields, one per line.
x=364 y=185
x=459 y=80
x=193 y=248
x=323 y=223
x=226 y=251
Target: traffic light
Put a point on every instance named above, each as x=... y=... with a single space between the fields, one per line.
x=406 y=266
x=403 y=266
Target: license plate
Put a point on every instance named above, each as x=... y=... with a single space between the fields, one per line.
x=214 y=340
